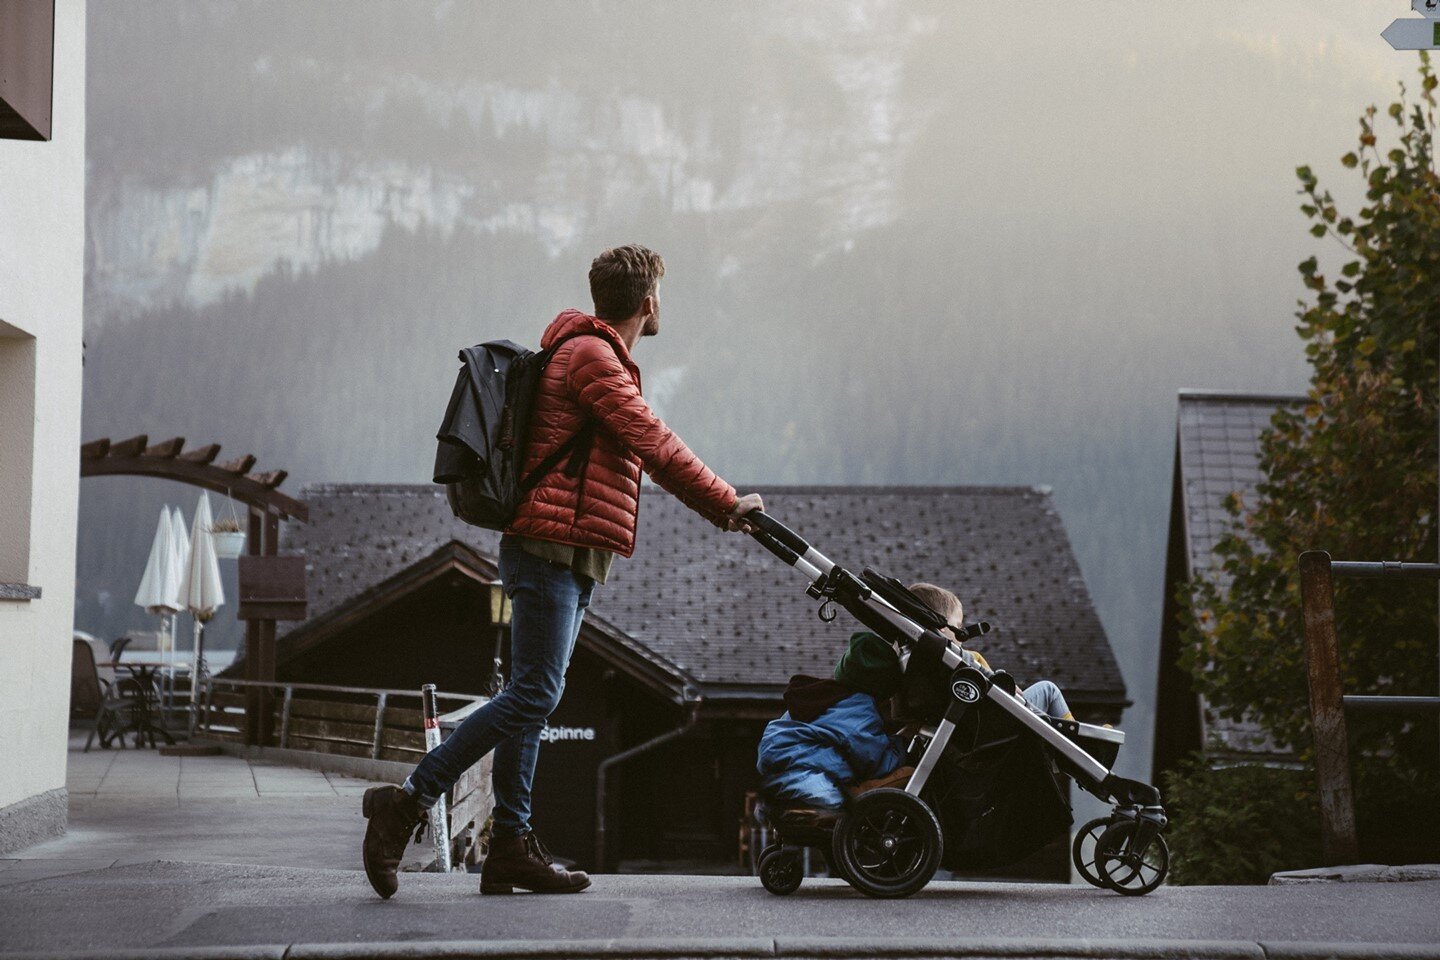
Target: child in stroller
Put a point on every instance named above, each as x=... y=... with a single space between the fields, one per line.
x=832 y=741
x=1043 y=696
x=831 y=735
x=986 y=786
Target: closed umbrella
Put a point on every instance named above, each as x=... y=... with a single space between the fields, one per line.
x=153 y=594
x=180 y=561
x=180 y=543
x=203 y=592
x=159 y=585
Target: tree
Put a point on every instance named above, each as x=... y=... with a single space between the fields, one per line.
x=1352 y=471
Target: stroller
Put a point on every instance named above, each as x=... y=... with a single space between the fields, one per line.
x=985 y=790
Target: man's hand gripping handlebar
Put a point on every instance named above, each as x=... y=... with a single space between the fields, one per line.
x=736 y=520
x=774 y=535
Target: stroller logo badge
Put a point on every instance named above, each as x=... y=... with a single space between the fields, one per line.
x=965 y=691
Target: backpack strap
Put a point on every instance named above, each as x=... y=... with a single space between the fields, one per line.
x=578 y=447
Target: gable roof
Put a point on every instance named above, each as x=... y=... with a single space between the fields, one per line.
x=721 y=612
x=1218 y=435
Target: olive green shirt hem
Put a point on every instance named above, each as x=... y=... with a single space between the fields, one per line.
x=591 y=562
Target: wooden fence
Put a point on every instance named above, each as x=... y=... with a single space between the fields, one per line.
x=1328 y=701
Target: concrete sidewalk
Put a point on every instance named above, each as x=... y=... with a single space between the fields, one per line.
x=223 y=857
x=135 y=806
x=145 y=908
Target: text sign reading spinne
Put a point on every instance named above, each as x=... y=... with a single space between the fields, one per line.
x=557 y=734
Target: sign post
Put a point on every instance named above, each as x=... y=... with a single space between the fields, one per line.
x=439 y=819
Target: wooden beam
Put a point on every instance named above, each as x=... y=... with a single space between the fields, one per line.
x=129 y=448
x=235 y=485
x=166 y=448
x=271 y=478
x=205 y=454
x=240 y=465
x=95 y=449
x=1338 y=840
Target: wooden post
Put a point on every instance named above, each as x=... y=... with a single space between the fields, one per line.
x=265 y=649
x=253 y=545
x=1327 y=711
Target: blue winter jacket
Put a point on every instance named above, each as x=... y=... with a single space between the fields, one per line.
x=806 y=764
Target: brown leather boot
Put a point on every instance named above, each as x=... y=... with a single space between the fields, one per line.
x=393 y=815
x=525 y=863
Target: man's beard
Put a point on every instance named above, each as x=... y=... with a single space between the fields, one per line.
x=652 y=325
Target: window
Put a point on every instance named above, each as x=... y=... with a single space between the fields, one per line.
x=27 y=68
x=17 y=452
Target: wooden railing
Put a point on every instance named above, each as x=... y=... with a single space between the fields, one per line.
x=347 y=721
x=360 y=722
x=1328 y=701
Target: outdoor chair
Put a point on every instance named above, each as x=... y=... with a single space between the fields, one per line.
x=95 y=701
x=117 y=647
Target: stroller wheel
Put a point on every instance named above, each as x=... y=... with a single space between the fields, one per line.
x=781 y=870
x=1122 y=869
x=888 y=844
x=1082 y=850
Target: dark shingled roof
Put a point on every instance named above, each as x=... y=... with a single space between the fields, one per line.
x=723 y=611
x=1219 y=436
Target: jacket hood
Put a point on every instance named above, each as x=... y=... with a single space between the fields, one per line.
x=808 y=697
x=573 y=321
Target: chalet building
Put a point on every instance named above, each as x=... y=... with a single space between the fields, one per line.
x=1217 y=453
x=684 y=653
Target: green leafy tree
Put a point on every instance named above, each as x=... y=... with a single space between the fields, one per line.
x=1351 y=471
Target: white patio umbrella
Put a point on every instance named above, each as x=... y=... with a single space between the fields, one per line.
x=203 y=592
x=152 y=594
x=180 y=562
x=159 y=591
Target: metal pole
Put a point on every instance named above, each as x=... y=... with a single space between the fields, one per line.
x=1327 y=711
x=439 y=818
x=380 y=725
x=497 y=679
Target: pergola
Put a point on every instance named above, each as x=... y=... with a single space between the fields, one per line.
x=270 y=584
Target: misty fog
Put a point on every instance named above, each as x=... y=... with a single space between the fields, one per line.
x=907 y=243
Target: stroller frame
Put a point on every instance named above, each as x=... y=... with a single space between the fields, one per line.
x=886 y=606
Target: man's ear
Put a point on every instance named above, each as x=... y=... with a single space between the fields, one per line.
x=647 y=306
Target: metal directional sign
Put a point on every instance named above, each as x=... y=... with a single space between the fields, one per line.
x=1426 y=8
x=1413 y=34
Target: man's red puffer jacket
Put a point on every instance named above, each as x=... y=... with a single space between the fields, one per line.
x=594 y=377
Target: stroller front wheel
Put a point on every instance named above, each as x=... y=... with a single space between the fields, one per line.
x=1082 y=850
x=888 y=844
x=781 y=870
x=1123 y=869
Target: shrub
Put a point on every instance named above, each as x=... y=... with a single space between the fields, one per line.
x=1238 y=825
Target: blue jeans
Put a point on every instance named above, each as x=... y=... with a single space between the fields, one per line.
x=1046 y=699
x=548 y=603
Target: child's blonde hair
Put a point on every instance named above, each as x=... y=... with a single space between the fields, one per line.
x=939 y=599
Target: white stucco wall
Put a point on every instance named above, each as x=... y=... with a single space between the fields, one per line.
x=42 y=222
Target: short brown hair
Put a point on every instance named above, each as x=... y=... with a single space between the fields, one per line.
x=621 y=277
x=939 y=599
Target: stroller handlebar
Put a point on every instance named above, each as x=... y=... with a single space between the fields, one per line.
x=776 y=537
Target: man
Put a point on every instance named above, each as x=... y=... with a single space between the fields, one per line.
x=561 y=543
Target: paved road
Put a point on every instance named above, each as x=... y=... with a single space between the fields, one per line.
x=168 y=904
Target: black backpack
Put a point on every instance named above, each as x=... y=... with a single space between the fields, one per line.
x=483 y=437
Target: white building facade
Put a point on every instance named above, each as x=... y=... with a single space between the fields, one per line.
x=42 y=222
